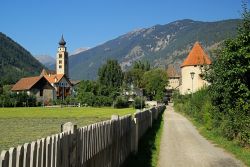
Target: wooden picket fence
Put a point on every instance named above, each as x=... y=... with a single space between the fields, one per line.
x=103 y=144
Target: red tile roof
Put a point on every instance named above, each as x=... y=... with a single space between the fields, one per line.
x=197 y=56
x=54 y=78
x=26 y=83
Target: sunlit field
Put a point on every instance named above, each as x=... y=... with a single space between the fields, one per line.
x=21 y=125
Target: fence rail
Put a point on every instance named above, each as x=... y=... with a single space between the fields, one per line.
x=103 y=144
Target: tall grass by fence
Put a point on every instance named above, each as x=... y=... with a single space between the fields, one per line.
x=103 y=144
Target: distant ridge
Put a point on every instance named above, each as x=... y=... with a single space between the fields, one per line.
x=161 y=45
x=47 y=61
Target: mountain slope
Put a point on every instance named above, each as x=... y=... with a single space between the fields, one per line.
x=160 y=45
x=15 y=61
x=47 y=61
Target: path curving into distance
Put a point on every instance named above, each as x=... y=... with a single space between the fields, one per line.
x=183 y=146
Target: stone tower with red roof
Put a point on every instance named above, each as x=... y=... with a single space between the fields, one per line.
x=191 y=70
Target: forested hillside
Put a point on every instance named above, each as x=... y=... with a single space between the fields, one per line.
x=15 y=61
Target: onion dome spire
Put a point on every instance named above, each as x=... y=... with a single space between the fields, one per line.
x=62 y=42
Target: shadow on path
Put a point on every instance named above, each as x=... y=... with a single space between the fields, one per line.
x=146 y=148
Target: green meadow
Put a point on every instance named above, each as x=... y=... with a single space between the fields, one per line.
x=22 y=125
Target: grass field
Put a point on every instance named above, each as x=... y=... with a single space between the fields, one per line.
x=22 y=125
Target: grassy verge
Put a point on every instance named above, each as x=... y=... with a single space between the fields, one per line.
x=21 y=125
x=233 y=147
x=149 y=147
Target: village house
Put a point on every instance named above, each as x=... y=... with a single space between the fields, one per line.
x=50 y=85
x=173 y=78
x=61 y=84
x=191 y=70
x=173 y=82
x=37 y=86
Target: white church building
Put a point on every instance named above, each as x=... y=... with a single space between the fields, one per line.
x=191 y=70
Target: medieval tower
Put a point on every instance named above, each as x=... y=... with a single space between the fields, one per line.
x=62 y=62
x=191 y=70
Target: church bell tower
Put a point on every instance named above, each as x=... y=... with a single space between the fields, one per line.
x=62 y=60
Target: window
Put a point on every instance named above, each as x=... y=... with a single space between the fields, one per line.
x=60 y=55
x=41 y=92
x=60 y=61
x=60 y=66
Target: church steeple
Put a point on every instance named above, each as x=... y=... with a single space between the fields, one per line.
x=62 y=63
x=62 y=42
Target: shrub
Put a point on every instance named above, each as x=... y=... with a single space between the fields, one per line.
x=121 y=102
x=17 y=100
x=139 y=103
x=103 y=101
x=197 y=106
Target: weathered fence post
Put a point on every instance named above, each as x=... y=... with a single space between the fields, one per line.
x=12 y=156
x=19 y=156
x=136 y=135
x=151 y=118
x=4 y=159
x=71 y=129
x=73 y=150
x=114 y=150
x=68 y=126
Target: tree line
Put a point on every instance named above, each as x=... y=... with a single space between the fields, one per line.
x=112 y=88
x=112 y=84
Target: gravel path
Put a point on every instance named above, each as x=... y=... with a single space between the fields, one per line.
x=183 y=146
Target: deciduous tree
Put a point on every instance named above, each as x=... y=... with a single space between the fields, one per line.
x=230 y=88
x=154 y=82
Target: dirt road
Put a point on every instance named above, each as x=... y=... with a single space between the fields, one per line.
x=183 y=146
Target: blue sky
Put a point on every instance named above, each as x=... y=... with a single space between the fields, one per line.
x=38 y=24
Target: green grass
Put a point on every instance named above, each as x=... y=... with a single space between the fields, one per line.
x=241 y=153
x=156 y=151
x=149 y=147
x=22 y=125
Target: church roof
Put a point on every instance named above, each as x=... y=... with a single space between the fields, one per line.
x=26 y=83
x=54 y=78
x=196 y=56
x=62 y=42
